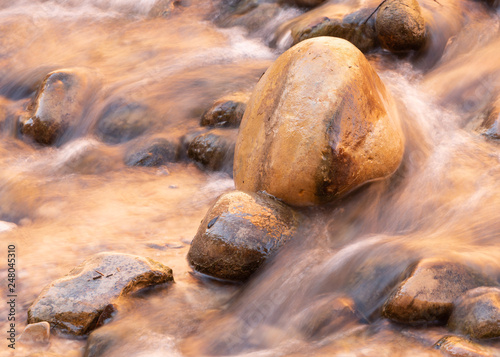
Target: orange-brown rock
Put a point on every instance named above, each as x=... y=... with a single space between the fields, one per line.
x=400 y=25
x=427 y=295
x=239 y=232
x=59 y=104
x=319 y=124
x=477 y=313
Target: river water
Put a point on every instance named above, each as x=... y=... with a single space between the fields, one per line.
x=77 y=198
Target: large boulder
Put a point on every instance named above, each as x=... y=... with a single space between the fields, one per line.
x=239 y=232
x=60 y=103
x=427 y=295
x=74 y=303
x=319 y=124
x=477 y=313
x=400 y=25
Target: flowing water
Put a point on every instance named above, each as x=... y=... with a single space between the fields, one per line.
x=77 y=198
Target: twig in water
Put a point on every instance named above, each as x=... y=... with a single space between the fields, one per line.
x=98 y=272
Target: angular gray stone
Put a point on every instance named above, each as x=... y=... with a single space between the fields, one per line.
x=73 y=304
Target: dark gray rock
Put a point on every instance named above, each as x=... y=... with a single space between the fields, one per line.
x=121 y=121
x=351 y=27
x=74 y=303
x=157 y=152
x=214 y=149
x=239 y=232
x=226 y=112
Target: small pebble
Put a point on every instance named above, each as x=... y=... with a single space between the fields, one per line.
x=38 y=333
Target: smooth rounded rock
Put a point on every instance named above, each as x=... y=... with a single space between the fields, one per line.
x=226 y=112
x=154 y=153
x=38 y=333
x=121 y=121
x=319 y=124
x=239 y=232
x=214 y=149
x=74 y=303
x=400 y=25
x=477 y=313
x=60 y=103
x=351 y=27
x=427 y=295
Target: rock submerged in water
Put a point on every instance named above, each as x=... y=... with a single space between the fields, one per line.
x=155 y=153
x=239 y=232
x=477 y=313
x=74 y=303
x=427 y=295
x=226 y=112
x=214 y=149
x=319 y=124
x=60 y=103
x=460 y=347
x=352 y=27
x=121 y=121
x=400 y=25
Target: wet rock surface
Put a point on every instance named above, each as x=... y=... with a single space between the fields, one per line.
x=303 y=3
x=400 y=25
x=38 y=333
x=226 y=112
x=352 y=27
x=456 y=346
x=239 y=232
x=121 y=121
x=477 y=313
x=427 y=295
x=319 y=124
x=214 y=149
x=60 y=103
x=157 y=152
x=74 y=303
